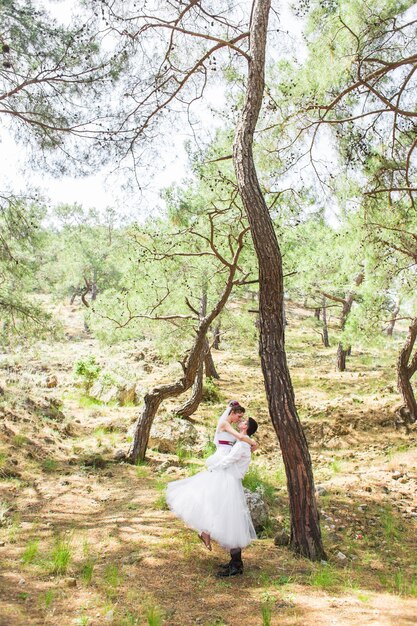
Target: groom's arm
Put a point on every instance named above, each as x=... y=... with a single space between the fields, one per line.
x=238 y=451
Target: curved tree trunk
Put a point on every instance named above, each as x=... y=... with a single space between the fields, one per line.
x=157 y=395
x=305 y=527
x=406 y=370
x=191 y=405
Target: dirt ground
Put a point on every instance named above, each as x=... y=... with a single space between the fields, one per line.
x=87 y=540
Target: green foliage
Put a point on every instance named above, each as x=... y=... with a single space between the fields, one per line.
x=257 y=479
x=211 y=392
x=87 y=370
x=324 y=576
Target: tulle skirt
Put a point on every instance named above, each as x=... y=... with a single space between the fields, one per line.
x=213 y=502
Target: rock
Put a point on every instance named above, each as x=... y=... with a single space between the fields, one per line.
x=51 y=381
x=282 y=539
x=341 y=557
x=2 y=544
x=258 y=509
x=118 y=391
x=93 y=460
x=133 y=558
x=21 y=582
x=321 y=491
x=166 y=435
x=109 y=616
x=120 y=456
x=70 y=582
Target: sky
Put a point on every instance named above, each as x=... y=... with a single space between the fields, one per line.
x=100 y=191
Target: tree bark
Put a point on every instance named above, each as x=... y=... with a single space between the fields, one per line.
x=305 y=528
x=406 y=370
x=390 y=327
x=341 y=358
x=325 y=335
x=191 y=405
x=210 y=368
x=317 y=313
x=216 y=337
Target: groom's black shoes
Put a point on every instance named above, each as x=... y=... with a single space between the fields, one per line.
x=230 y=570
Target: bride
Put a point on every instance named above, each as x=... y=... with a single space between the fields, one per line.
x=226 y=436
x=213 y=502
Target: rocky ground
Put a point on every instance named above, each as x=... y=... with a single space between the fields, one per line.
x=88 y=540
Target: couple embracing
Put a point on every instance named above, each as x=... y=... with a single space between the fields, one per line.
x=213 y=502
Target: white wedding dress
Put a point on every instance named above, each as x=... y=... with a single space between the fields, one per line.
x=213 y=501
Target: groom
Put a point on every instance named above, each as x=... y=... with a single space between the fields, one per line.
x=237 y=462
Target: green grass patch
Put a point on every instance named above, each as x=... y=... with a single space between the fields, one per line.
x=87 y=402
x=61 y=556
x=30 y=552
x=49 y=465
x=257 y=479
x=324 y=576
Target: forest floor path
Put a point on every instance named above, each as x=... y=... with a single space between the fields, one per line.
x=88 y=541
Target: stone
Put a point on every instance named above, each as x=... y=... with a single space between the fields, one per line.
x=120 y=456
x=282 y=538
x=51 y=381
x=109 y=616
x=341 y=557
x=70 y=582
x=258 y=509
x=166 y=434
x=321 y=490
x=118 y=391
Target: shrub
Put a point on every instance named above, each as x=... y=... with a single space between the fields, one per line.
x=88 y=371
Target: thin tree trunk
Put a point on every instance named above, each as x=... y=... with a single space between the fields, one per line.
x=325 y=335
x=341 y=358
x=305 y=528
x=210 y=368
x=216 y=337
x=317 y=313
x=390 y=327
x=406 y=370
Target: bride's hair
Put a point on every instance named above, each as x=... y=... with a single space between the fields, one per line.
x=252 y=426
x=236 y=408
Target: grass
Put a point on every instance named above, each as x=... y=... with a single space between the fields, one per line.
x=154 y=616
x=47 y=598
x=112 y=578
x=87 y=402
x=30 y=552
x=19 y=440
x=324 y=576
x=391 y=527
x=60 y=556
x=336 y=466
x=258 y=480
x=49 y=465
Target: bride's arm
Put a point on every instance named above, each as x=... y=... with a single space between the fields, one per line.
x=229 y=428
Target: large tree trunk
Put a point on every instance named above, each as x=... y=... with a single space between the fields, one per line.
x=305 y=528
x=405 y=371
